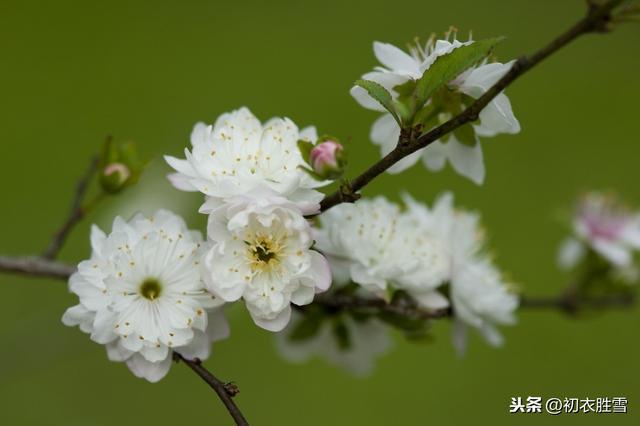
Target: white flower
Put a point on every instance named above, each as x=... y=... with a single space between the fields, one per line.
x=141 y=294
x=400 y=67
x=262 y=253
x=238 y=154
x=479 y=295
x=379 y=247
x=367 y=340
x=604 y=226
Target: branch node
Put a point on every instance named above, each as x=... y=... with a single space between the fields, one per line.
x=231 y=388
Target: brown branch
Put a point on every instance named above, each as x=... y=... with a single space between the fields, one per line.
x=36 y=267
x=76 y=212
x=572 y=304
x=596 y=20
x=568 y=301
x=225 y=391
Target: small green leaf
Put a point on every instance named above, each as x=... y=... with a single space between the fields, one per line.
x=380 y=94
x=449 y=66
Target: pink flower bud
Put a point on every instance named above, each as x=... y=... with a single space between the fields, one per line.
x=325 y=158
x=119 y=170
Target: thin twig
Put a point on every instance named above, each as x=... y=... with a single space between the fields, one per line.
x=36 y=267
x=567 y=301
x=225 y=391
x=571 y=305
x=595 y=21
x=76 y=212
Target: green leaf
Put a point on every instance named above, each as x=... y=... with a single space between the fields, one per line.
x=449 y=66
x=380 y=94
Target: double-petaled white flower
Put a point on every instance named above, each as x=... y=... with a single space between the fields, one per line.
x=400 y=67
x=356 y=351
x=605 y=226
x=379 y=247
x=142 y=295
x=480 y=297
x=238 y=154
x=262 y=253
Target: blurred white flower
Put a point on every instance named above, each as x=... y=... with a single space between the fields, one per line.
x=479 y=295
x=238 y=154
x=365 y=341
x=400 y=67
x=141 y=294
x=262 y=253
x=604 y=225
x=377 y=246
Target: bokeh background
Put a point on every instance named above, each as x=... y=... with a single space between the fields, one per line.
x=73 y=71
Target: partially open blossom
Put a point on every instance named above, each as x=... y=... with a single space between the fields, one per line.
x=261 y=252
x=366 y=340
x=239 y=154
x=326 y=159
x=604 y=225
x=480 y=296
x=141 y=294
x=398 y=67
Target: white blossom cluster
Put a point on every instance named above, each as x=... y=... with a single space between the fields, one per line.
x=428 y=253
x=152 y=286
x=399 y=67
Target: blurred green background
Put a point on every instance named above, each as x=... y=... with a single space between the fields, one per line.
x=74 y=71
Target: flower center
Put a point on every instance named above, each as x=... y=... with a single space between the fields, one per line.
x=264 y=253
x=150 y=289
